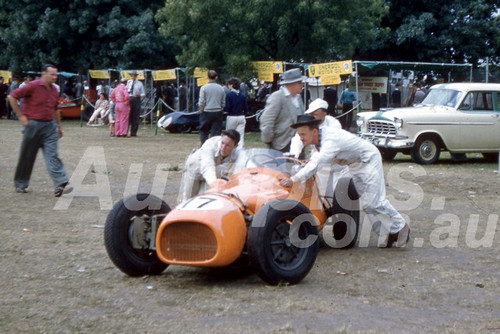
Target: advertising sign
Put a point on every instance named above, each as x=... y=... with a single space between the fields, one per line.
x=266 y=69
x=99 y=74
x=337 y=68
x=372 y=84
x=164 y=75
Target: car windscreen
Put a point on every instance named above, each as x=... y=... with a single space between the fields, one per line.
x=266 y=158
x=443 y=97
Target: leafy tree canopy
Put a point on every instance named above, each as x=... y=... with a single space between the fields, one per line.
x=77 y=35
x=440 y=31
x=227 y=34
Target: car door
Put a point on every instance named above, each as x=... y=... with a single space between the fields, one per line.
x=479 y=115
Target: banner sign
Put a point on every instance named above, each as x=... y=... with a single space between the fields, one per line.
x=6 y=75
x=99 y=74
x=200 y=72
x=266 y=69
x=164 y=75
x=335 y=68
x=372 y=84
x=126 y=74
x=330 y=79
x=201 y=81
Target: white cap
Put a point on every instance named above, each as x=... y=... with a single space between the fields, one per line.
x=317 y=104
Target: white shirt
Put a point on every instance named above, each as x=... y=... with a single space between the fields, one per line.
x=337 y=147
x=296 y=145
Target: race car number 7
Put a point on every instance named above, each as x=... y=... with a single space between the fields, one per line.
x=203 y=203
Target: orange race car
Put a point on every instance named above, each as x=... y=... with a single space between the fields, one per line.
x=250 y=216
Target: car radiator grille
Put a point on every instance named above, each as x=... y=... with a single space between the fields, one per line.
x=381 y=128
x=189 y=242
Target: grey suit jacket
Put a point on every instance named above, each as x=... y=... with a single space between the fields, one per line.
x=278 y=115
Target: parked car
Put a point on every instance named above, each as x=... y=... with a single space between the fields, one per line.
x=180 y=121
x=456 y=117
x=248 y=218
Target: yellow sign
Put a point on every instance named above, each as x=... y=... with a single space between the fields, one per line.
x=338 y=68
x=164 y=75
x=266 y=69
x=200 y=72
x=6 y=75
x=99 y=74
x=330 y=79
x=126 y=74
x=201 y=81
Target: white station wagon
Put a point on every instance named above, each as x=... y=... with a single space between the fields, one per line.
x=456 y=117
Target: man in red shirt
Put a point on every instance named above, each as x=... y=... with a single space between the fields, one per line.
x=41 y=129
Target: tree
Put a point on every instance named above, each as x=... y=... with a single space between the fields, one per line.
x=228 y=34
x=439 y=31
x=77 y=35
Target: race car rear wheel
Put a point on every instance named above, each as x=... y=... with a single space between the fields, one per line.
x=128 y=231
x=282 y=242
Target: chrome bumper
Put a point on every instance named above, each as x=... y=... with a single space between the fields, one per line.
x=395 y=142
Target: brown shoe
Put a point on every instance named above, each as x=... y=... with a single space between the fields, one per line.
x=399 y=239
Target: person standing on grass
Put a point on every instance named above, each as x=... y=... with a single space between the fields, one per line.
x=212 y=103
x=41 y=129
x=120 y=98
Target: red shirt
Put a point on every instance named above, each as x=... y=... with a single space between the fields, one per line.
x=39 y=102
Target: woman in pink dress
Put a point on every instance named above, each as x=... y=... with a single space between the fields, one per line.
x=119 y=96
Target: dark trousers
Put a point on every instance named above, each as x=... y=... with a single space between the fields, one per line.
x=346 y=119
x=38 y=135
x=135 y=113
x=210 y=122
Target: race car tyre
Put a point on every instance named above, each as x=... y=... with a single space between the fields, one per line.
x=426 y=150
x=127 y=234
x=282 y=242
x=345 y=216
x=185 y=128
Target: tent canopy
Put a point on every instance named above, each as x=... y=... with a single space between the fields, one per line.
x=370 y=67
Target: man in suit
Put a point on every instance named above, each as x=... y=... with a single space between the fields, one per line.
x=281 y=111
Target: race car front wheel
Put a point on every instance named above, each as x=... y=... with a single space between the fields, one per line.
x=128 y=234
x=282 y=242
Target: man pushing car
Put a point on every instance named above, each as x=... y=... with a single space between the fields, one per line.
x=337 y=146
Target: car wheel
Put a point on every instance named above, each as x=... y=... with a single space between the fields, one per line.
x=490 y=157
x=173 y=129
x=282 y=242
x=426 y=150
x=127 y=234
x=387 y=153
x=185 y=128
x=345 y=215
x=88 y=110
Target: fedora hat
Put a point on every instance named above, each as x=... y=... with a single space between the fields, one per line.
x=317 y=104
x=305 y=120
x=292 y=76
x=133 y=72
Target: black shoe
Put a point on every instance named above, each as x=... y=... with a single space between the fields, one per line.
x=400 y=238
x=62 y=189
x=21 y=190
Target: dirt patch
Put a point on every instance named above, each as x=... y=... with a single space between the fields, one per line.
x=55 y=275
